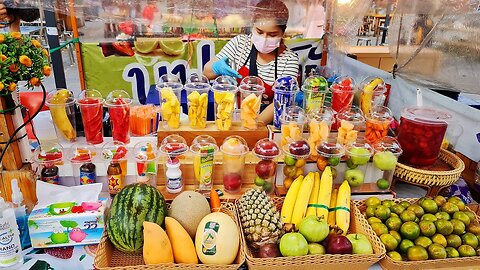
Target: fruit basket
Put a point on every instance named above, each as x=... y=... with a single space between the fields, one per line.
x=358 y=224
x=432 y=177
x=388 y=264
x=108 y=257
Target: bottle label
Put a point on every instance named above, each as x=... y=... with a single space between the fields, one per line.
x=50 y=179
x=209 y=238
x=114 y=183
x=10 y=249
x=87 y=178
x=206 y=168
x=174 y=183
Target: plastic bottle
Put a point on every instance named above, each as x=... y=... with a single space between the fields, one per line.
x=49 y=174
x=21 y=209
x=11 y=250
x=114 y=177
x=174 y=176
x=88 y=173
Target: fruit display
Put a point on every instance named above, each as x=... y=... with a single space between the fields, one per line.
x=342 y=93
x=145 y=156
x=319 y=124
x=62 y=108
x=204 y=148
x=260 y=220
x=359 y=154
x=314 y=89
x=284 y=93
x=373 y=94
x=234 y=149
x=224 y=95
x=292 y=121
x=296 y=153
x=251 y=99
x=133 y=205
x=267 y=151
x=197 y=96
x=421 y=133
x=354 y=116
x=426 y=229
x=377 y=123
x=90 y=103
x=170 y=105
x=118 y=103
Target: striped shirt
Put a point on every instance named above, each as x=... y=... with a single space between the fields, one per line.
x=238 y=49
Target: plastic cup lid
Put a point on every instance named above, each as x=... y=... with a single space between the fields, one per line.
x=293 y=114
x=359 y=144
x=388 y=144
x=426 y=114
x=173 y=145
x=118 y=98
x=196 y=78
x=330 y=149
x=234 y=145
x=60 y=97
x=201 y=142
x=82 y=152
x=298 y=149
x=252 y=80
x=224 y=79
x=266 y=149
x=353 y=115
x=48 y=153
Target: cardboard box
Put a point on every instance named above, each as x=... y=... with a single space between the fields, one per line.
x=67 y=224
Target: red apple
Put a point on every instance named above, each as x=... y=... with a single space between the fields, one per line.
x=265 y=169
x=299 y=148
x=338 y=244
x=232 y=181
x=267 y=148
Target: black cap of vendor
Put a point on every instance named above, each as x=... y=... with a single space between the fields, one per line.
x=271 y=10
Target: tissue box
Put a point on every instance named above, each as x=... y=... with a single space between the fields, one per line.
x=67 y=224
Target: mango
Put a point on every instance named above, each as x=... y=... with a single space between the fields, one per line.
x=182 y=244
x=225 y=105
x=346 y=134
x=197 y=109
x=156 y=245
x=249 y=109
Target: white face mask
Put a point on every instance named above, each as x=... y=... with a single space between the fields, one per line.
x=265 y=45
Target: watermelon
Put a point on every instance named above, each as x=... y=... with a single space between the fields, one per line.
x=133 y=205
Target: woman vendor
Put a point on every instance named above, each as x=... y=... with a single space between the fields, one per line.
x=262 y=53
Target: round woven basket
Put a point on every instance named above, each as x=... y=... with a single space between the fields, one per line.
x=432 y=178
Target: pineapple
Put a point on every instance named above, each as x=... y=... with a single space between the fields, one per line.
x=260 y=219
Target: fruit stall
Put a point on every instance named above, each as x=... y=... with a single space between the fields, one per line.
x=181 y=173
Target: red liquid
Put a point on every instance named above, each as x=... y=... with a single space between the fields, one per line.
x=420 y=141
x=120 y=121
x=92 y=110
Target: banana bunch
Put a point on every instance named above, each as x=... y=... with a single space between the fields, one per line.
x=296 y=202
x=367 y=95
x=58 y=111
x=342 y=213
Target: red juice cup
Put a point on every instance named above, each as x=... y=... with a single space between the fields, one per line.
x=91 y=107
x=342 y=93
x=118 y=103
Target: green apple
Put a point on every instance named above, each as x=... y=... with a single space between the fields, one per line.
x=314 y=229
x=360 y=244
x=385 y=161
x=293 y=244
x=354 y=177
x=359 y=156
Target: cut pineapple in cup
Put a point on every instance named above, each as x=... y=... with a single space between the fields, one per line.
x=251 y=96
x=197 y=96
x=224 y=95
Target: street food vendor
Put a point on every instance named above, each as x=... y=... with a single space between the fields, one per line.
x=262 y=53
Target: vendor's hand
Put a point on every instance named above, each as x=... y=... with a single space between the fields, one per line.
x=221 y=67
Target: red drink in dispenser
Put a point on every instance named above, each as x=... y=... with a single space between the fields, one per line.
x=422 y=130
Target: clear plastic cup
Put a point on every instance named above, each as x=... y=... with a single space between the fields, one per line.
x=319 y=126
x=234 y=149
x=387 y=150
x=342 y=93
x=172 y=149
x=47 y=156
x=82 y=158
x=204 y=149
x=373 y=94
x=112 y=153
x=91 y=107
x=330 y=153
x=144 y=119
x=170 y=88
x=293 y=122
x=197 y=96
x=62 y=108
x=267 y=151
x=348 y=124
x=251 y=93
x=196 y=78
x=283 y=97
x=377 y=123
x=118 y=103
x=359 y=154
x=146 y=155
x=224 y=95
x=296 y=155
x=314 y=90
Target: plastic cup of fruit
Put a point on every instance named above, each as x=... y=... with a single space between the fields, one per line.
x=118 y=103
x=387 y=151
x=421 y=133
x=173 y=147
x=116 y=151
x=359 y=154
x=197 y=96
x=81 y=153
x=204 y=148
x=267 y=151
x=293 y=122
x=225 y=96
x=342 y=93
x=296 y=154
x=90 y=103
x=47 y=155
x=146 y=156
x=283 y=97
x=377 y=123
x=169 y=89
x=373 y=93
x=314 y=90
x=319 y=125
x=354 y=116
x=251 y=100
x=62 y=108
x=234 y=149
x=330 y=152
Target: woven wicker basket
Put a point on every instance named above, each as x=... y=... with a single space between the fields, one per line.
x=358 y=224
x=389 y=264
x=108 y=257
x=433 y=178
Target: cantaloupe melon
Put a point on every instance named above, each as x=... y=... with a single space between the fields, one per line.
x=188 y=209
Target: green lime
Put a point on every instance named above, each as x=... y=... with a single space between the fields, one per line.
x=259 y=181
x=470 y=239
x=388 y=203
x=407 y=215
x=450 y=208
x=405 y=245
x=423 y=241
x=351 y=165
x=397 y=236
x=439 y=239
x=394 y=256
x=436 y=251
x=372 y=220
x=379 y=228
x=145 y=46
x=397 y=209
x=393 y=223
x=430 y=206
x=452 y=252
x=429 y=217
x=442 y=215
x=370 y=211
x=444 y=227
x=458 y=202
x=417 y=253
x=289 y=160
x=389 y=241
x=454 y=241
x=383 y=184
x=462 y=216
x=410 y=230
x=466 y=251
x=405 y=204
x=427 y=228
x=417 y=209
x=458 y=226
x=333 y=161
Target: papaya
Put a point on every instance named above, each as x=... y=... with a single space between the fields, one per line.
x=156 y=245
x=182 y=244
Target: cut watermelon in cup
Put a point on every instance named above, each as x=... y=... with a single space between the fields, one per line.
x=118 y=103
x=91 y=107
x=342 y=93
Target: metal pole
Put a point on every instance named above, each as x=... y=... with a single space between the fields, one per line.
x=330 y=5
x=53 y=42
x=387 y=21
x=73 y=19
